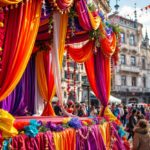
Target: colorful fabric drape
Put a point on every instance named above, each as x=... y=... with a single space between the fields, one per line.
x=81 y=54
x=45 y=79
x=89 y=139
x=83 y=16
x=64 y=4
x=59 y=35
x=6 y=124
x=17 y=48
x=9 y=2
x=65 y=140
x=94 y=19
x=21 y=101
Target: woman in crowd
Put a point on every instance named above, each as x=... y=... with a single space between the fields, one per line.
x=141 y=140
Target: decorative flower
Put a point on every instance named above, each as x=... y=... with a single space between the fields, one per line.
x=75 y=123
x=35 y=123
x=121 y=132
x=84 y=123
x=95 y=120
x=66 y=120
x=31 y=130
x=54 y=127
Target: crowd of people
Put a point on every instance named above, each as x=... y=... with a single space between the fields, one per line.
x=135 y=119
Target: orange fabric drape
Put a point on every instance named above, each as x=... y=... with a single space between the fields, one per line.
x=9 y=2
x=105 y=132
x=81 y=54
x=45 y=80
x=21 y=48
x=65 y=140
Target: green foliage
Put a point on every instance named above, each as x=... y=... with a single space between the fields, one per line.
x=91 y=7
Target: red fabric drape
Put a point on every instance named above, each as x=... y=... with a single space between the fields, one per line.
x=81 y=54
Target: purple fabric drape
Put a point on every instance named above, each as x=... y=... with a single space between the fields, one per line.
x=94 y=141
x=119 y=142
x=100 y=78
x=21 y=100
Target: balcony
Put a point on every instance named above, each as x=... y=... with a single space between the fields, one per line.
x=127 y=89
x=134 y=69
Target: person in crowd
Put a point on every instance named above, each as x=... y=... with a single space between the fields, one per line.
x=141 y=140
x=92 y=111
x=57 y=109
x=139 y=116
x=131 y=124
x=80 y=111
x=121 y=111
x=142 y=110
x=116 y=111
x=147 y=115
x=84 y=108
x=71 y=106
x=124 y=117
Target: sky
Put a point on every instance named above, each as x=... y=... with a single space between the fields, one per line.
x=127 y=10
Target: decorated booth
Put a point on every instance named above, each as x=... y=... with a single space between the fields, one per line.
x=34 y=35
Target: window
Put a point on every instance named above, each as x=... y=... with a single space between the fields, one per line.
x=122 y=37
x=133 y=61
x=144 y=82
x=65 y=74
x=132 y=40
x=143 y=63
x=123 y=80
x=65 y=94
x=77 y=77
x=123 y=59
x=133 y=81
x=82 y=66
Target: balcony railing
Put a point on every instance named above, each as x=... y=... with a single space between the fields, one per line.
x=130 y=89
x=134 y=69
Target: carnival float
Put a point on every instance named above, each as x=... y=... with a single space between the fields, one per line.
x=34 y=34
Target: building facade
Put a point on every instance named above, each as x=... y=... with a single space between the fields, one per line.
x=131 y=77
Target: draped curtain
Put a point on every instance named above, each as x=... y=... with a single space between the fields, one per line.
x=59 y=36
x=97 y=66
x=21 y=30
x=21 y=100
x=45 y=79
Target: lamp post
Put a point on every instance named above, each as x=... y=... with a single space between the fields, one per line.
x=86 y=85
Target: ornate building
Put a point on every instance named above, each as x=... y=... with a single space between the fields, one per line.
x=131 y=77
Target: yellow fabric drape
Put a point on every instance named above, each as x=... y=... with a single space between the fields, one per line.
x=62 y=39
x=95 y=20
x=9 y=2
x=109 y=114
x=105 y=132
x=6 y=124
x=24 y=48
x=65 y=140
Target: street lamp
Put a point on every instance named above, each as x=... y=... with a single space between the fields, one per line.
x=86 y=84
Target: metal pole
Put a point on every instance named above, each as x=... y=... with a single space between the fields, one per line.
x=88 y=90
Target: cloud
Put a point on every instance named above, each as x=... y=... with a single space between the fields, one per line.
x=142 y=16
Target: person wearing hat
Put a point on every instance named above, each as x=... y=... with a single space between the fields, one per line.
x=141 y=140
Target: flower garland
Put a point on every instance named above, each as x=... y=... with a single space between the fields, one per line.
x=68 y=74
x=75 y=67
